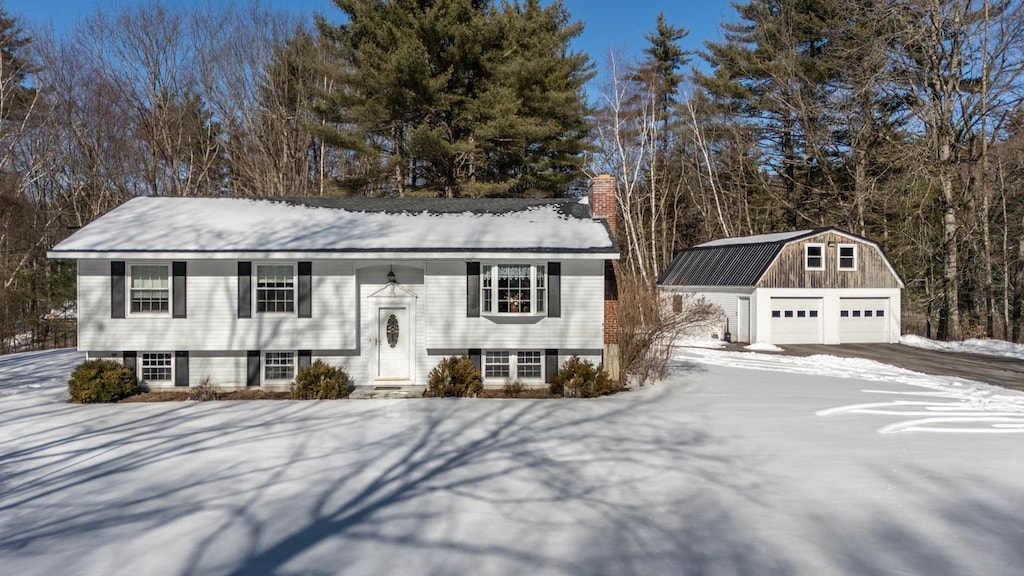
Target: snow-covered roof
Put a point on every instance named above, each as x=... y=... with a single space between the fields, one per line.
x=758 y=239
x=341 y=225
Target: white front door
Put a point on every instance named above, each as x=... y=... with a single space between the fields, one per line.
x=394 y=335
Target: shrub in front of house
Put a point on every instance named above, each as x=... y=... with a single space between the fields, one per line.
x=102 y=381
x=581 y=379
x=320 y=381
x=455 y=376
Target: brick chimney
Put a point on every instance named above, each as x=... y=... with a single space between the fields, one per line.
x=603 y=205
x=602 y=201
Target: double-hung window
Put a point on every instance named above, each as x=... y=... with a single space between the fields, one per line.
x=150 y=289
x=847 y=256
x=522 y=365
x=275 y=288
x=279 y=366
x=513 y=288
x=156 y=367
x=814 y=257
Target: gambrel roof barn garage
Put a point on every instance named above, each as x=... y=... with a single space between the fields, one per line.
x=823 y=286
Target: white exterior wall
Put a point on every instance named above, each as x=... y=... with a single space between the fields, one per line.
x=580 y=325
x=212 y=323
x=830 y=308
x=727 y=300
x=345 y=297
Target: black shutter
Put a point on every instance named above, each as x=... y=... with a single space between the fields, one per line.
x=245 y=290
x=554 y=289
x=181 y=368
x=252 y=374
x=179 y=307
x=550 y=364
x=474 y=356
x=305 y=358
x=131 y=361
x=472 y=289
x=305 y=289
x=117 y=289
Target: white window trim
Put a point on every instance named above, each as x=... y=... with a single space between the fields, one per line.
x=263 y=366
x=807 y=248
x=141 y=368
x=256 y=283
x=839 y=260
x=534 y=300
x=128 y=290
x=513 y=367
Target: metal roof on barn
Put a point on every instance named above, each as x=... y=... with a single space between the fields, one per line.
x=738 y=261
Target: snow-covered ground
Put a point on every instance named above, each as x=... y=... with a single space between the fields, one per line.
x=973 y=346
x=740 y=463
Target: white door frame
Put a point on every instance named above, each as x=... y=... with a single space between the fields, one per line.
x=393 y=296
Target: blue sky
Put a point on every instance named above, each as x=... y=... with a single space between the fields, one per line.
x=617 y=25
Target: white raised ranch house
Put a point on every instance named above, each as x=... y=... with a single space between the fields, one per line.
x=820 y=286
x=245 y=292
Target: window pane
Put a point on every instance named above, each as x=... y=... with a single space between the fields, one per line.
x=847 y=257
x=496 y=364
x=513 y=288
x=528 y=364
x=814 y=259
x=150 y=289
x=275 y=289
x=487 y=284
x=156 y=367
x=541 y=288
x=279 y=366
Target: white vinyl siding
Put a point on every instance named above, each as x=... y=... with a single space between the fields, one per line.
x=580 y=325
x=149 y=289
x=213 y=324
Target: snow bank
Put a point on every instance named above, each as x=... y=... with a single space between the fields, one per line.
x=972 y=346
x=762 y=347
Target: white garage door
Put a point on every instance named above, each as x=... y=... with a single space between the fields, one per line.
x=863 y=320
x=797 y=321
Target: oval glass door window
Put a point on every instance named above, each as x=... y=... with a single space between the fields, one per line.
x=392 y=330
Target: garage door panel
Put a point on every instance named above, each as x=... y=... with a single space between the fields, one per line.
x=797 y=321
x=863 y=320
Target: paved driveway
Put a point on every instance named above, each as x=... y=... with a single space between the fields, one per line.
x=1006 y=372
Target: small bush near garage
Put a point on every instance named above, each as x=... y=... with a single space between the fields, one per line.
x=102 y=381
x=455 y=376
x=204 y=392
x=581 y=379
x=320 y=381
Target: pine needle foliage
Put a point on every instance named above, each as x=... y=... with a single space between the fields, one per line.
x=97 y=381
x=320 y=381
x=455 y=376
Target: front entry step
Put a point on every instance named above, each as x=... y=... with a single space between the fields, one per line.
x=387 y=391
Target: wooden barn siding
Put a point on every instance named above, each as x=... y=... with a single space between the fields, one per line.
x=788 y=269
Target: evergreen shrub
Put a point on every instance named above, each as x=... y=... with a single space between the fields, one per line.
x=95 y=381
x=581 y=379
x=320 y=381
x=455 y=376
